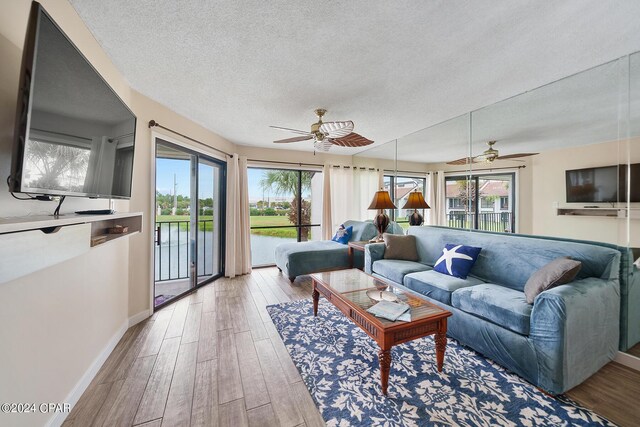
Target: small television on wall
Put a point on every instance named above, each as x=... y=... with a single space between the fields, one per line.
x=73 y=135
x=606 y=184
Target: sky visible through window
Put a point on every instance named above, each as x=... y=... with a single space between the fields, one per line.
x=165 y=170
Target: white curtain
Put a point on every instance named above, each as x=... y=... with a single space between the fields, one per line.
x=352 y=190
x=327 y=222
x=430 y=198
x=440 y=205
x=238 y=241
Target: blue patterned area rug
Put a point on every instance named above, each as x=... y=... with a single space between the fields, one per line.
x=339 y=365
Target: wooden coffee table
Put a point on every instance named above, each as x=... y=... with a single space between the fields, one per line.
x=347 y=290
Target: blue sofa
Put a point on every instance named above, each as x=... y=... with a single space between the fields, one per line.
x=299 y=258
x=565 y=336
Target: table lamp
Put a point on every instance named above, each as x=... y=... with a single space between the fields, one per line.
x=416 y=201
x=381 y=201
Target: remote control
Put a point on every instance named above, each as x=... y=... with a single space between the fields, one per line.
x=97 y=212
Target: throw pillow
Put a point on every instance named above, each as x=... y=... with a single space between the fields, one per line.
x=557 y=272
x=398 y=246
x=457 y=260
x=343 y=234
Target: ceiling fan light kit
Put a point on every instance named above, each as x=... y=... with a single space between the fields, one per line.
x=326 y=134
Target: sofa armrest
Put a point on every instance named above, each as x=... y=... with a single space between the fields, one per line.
x=372 y=253
x=575 y=331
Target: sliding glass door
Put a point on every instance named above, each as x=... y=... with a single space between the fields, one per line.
x=189 y=221
x=481 y=202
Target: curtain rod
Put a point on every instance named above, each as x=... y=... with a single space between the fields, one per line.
x=487 y=169
x=308 y=164
x=413 y=172
x=153 y=123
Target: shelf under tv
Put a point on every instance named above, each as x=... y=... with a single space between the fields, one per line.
x=634 y=213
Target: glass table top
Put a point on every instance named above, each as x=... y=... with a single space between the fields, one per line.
x=352 y=285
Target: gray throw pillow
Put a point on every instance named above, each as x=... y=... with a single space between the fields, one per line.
x=400 y=247
x=557 y=272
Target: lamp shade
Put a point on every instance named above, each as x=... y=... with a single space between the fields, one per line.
x=381 y=200
x=416 y=201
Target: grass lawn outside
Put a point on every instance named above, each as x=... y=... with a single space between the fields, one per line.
x=264 y=221
x=255 y=221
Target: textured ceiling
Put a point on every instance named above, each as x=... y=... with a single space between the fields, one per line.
x=237 y=67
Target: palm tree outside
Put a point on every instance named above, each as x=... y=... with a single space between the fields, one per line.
x=285 y=182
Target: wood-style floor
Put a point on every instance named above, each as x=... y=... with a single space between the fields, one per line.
x=215 y=359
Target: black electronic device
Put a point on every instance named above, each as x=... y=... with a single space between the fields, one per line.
x=97 y=212
x=607 y=184
x=73 y=135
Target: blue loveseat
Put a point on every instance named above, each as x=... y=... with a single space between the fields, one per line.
x=300 y=258
x=565 y=336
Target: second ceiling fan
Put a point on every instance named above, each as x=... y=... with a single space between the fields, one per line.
x=326 y=134
x=489 y=156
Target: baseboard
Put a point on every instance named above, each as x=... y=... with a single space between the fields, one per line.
x=137 y=318
x=628 y=360
x=88 y=376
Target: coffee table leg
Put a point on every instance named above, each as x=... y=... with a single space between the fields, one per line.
x=441 y=343
x=316 y=298
x=384 y=357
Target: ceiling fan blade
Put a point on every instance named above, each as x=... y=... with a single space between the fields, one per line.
x=513 y=156
x=463 y=161
x=302 y=132
x=294 y=139
x=337 y=129
x=351 y=140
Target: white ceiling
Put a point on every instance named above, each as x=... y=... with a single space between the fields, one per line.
x=237 y=67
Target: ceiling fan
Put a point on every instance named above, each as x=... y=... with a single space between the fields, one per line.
x=326 y=134
x=489 y=156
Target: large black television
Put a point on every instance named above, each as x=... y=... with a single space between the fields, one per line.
x=73 y=135
x=607 y=184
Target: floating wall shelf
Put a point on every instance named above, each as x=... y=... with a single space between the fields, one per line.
x=31 y=243
x=634 y=213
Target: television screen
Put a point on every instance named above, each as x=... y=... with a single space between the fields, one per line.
x=74 y=135
x=593 y=185
x=634 y=182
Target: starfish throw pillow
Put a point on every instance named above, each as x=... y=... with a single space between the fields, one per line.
x=457 y=260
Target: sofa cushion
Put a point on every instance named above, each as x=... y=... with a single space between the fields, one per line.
x=395 y=269
x=398 y=246
x=557 y=272
x=436 y=285
x=362 y=230
x=500 y=305
x=298 y=258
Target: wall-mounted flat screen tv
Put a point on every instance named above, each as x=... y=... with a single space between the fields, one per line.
x=607 y=184
x=74 y=136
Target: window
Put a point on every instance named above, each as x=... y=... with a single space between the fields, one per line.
x=504 y=203
x=284 y=206
x=487 y=202
x=463 y=212
x=399 y=188
x=455 y=203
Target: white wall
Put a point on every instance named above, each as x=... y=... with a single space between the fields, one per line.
x=55 y=323
x=548 y=189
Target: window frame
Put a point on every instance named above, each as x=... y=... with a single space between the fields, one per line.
x=298 y=226
x=392 y=193
x=476 y=205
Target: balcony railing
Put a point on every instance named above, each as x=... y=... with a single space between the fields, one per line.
x=486 y=221
x=173 y=251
